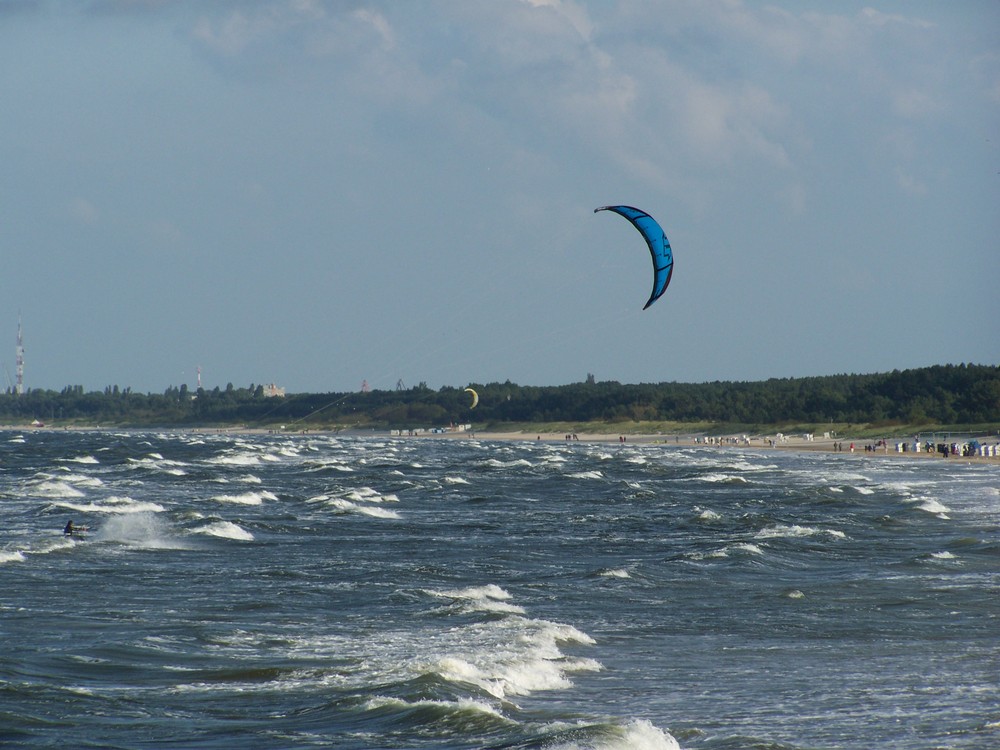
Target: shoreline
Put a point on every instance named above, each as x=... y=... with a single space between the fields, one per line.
x=787 y=443
x=796 y=443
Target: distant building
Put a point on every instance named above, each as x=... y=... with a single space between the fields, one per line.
x=273 y=391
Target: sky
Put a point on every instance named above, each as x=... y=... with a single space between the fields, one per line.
x=321 y=194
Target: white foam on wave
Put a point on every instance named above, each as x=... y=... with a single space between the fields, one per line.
x=489 y=598
x=238 y=459
x=369 y=495
x=930 y=505
x=489 y=591
x=246 y=498
x=943 y=555
x=614 y=573
x=7 y=556
x=225 y=530
x=54 y=489
x=455 y=480
x=331 y=464
x=496 y=464
x=114 y=504
x=705 y=514
x=639 y=734
x=586 y=475
x=156 y=462
x=81 y=460
x=722 y=552
x=346 y=506
x=81 y=480
x=720 y=478
x=463 y=704
x=510 y=657
x=781 y=531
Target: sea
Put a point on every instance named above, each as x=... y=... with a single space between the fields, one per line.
x=331 y=591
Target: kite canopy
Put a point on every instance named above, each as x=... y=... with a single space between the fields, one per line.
x=659 y=246
x=475 y=398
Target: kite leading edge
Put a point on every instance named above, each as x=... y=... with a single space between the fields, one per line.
x=659 y=246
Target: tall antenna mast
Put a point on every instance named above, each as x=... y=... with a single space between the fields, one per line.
x=19 y=358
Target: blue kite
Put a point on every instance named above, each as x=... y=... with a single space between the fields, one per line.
x=659 y=247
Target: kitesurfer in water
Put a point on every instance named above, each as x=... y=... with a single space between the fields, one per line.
x=68 y=531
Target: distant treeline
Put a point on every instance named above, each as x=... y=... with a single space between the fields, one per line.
x=943 y=394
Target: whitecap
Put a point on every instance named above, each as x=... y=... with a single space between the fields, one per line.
x=7 y=556
x=113 y=505
x=247 y=498
x=943 y=555
x=639 y=734
x=489 y=591
x=225 y=530
x=347 y=506
x=793 y=531
x=455 y=480
x=82 y=460
x=243 y=459
x=614 y=573
x=377 y=512
x=586 y=475
x=930 y=505
x=55 y=490
x=463 y=704
x=82 y=480
x=717 y=478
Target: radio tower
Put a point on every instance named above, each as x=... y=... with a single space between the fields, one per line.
x=19 y=359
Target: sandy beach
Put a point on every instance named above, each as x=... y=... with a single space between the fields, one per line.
x=848 y=447
x=854 y=448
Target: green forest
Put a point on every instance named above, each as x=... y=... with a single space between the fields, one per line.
x=962 y=394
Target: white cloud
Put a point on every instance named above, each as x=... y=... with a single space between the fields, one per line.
x=878 y=18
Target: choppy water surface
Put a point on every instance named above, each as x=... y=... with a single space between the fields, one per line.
x=315 y=591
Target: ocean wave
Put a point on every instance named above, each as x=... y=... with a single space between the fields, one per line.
x=721 y=478
x=614 y=573
x=639 y=734
x=246 y=498
x=346 y=506
x=239 y=459
x=464 y=715
x=225 y=530
x=81 y=480
x=930 y=505
x=7 y=556
x=112 y=505
x=81 y=460
x=793 y=531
